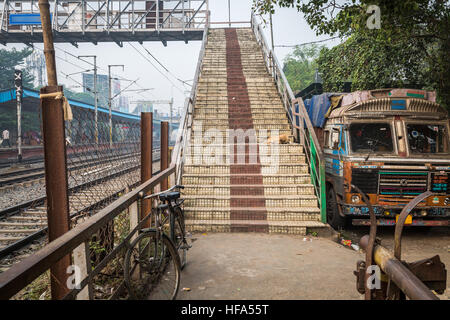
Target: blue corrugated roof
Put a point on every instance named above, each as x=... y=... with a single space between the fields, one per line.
x=8 y=95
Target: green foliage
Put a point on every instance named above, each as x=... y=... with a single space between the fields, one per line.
x=79 y=96
x=10 y=60
x=373 y=62
x=300 y=66
x=412 y=47
x=8 y=120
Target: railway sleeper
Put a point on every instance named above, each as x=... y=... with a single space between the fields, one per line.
x=7 y=231
x=22 y=224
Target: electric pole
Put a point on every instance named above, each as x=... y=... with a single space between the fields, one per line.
x=95 y=94
x=110 y=99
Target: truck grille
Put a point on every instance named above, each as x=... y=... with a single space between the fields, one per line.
x=402 y=184
x=366 y=180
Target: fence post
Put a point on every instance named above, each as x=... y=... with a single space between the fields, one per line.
x=56 y=183
x=146 y=157
x=55 y=157
x=164 y=151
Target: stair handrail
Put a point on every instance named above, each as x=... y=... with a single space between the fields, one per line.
x=274 y=67
x=298 y=117
x=313 y=152
x=184 y=131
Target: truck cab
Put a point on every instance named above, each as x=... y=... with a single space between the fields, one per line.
x=393 y=144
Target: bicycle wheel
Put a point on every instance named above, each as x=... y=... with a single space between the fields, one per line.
x=152 y=268
x=179 y=236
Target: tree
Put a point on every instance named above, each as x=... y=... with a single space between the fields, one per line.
x=10 y=60
x=421 y=27
x=85 y=97
x=300 y=66
x=370 y=63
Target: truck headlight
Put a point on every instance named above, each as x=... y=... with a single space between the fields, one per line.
x=355 y=199
x=447 y=201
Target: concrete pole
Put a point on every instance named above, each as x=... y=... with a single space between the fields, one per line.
x=110 y=99
x=95 y=95
x=271 y=33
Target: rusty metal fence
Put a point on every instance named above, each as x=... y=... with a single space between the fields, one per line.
x=100 y=272
x=103 y=159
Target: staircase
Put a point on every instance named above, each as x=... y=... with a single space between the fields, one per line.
x=243 y=184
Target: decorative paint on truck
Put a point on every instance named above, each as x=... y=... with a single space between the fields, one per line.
x=394 y=145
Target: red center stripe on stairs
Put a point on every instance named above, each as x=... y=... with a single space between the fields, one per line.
x=246 y=203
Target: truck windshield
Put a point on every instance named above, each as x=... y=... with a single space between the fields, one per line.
x=371 y=137
x=423 y=138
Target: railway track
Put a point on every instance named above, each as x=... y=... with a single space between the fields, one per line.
x=29 y=174
x=21 y=226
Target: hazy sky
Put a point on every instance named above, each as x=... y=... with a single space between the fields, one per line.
x=180 y=58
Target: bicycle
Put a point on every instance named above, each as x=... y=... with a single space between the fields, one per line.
x=154 y=257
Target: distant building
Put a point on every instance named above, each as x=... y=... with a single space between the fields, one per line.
x=143 y=107
x=122 y=104
x=102 y=86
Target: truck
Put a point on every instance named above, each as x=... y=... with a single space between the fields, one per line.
x=393 y=144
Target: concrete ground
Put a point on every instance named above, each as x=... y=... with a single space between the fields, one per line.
x=261 y=266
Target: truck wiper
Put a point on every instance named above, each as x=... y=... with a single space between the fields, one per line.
x=372 y=149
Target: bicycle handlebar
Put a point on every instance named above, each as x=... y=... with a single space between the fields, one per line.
x=159 y=193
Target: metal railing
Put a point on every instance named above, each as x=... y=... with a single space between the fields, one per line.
x=185 y=129
x=85 y=15
x=20 y=20
x=78 y=243
x=302 y=128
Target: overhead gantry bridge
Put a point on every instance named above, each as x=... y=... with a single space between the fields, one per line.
x=105 y=21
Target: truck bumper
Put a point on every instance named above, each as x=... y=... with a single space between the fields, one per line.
x=391 y=222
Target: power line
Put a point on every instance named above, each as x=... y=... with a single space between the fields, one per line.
x=87 y=62
x=148 y=60
x=306 y=43
x=167 y=70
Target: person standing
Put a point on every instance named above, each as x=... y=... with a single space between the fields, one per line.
x=5 y=137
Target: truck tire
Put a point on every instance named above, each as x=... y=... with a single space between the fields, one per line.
x=334 y=219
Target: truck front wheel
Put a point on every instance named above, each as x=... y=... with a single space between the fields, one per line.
x=334 y=219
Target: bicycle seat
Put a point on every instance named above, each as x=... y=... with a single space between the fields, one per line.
x=163 y=206
x=169 y=196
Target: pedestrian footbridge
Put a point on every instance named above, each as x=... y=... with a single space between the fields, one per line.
x=243 y=170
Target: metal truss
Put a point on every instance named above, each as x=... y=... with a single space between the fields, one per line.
x=116 y=21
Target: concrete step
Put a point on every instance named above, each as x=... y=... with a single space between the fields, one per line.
x=218 y=157
x=269 y=201
x=269 y=214
x=201 y=115
x=269 y=179
x=278 y=227
x=264 y=147
x=280 y=128
x=249 y=190
x=293 y=168
x=243 y=120
x=218 y=108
